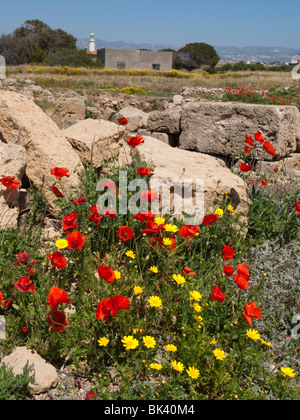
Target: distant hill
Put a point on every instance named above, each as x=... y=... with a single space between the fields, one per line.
x=231 y=54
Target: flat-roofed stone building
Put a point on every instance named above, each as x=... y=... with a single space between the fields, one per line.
x=114 y=58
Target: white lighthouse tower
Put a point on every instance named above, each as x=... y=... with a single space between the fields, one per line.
x=92 y=43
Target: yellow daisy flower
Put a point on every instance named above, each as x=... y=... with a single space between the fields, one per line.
x=149 y=342
x=213 y=342
x=219 y=354
x=153 y=269
x=230 y=208
x=130 y=343
x=155 y=301
x=171 y=228
x=159 y=220
x=253 y=334
x=195 y=296
x=197 y=307
x=137 y=290
x=103 y=341
x=178 y=366
x=193 y=372
x=171 y=348
x=179 y=278
x=117 y=274
x=130 y=254
x=61 y=244
x=288 y=372
x=167 y=242
x=219 y=212
x=155 y=366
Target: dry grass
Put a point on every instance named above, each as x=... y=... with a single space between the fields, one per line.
x=163 y=84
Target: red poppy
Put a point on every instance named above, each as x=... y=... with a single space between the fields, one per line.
x=30 y=269
x=276 y=170
x=187 y=270
x=76 y=240
x=216 y=294
x=228 y=253
x=142 y=217
x=143 y=171
x=24 y=284
x=109 y=213
x=106 y=273
x=247 y=318
x=57 y=296
x=249 y=140
x=149 y=196
x=125 y=233
x=58 y=260
x=135 y=141
x=269 y=148
x=209 y=219
x=57 y=321
x=56 y=192
x=60 y=172
x=264 y=182
x=297 y=206
x=248 y=149
x=252 y=310
x=10 y=182
x=243 y=270
x=1 y=296
x=79 y=200
x=110 y=307
x=95 y=215
x=123 y=121
x=151 y=228
x=109 y=185
x=69 y=222
x=228 y=270
x=245 y=168
x=22 y=258
x=188 y=231
x=259 y=137
x=241 y=281
x=90 y=396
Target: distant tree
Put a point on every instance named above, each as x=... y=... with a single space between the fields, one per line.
x=196 y=55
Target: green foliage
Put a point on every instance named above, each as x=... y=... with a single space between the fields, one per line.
x=196 y=55
x=14 y=387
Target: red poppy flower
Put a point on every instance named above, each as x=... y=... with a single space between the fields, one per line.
x=109 y=213
x=123 y=121
x=228 y=270
x=1 y=296
x=110 y=307
x=259 y=137
x=241 y=281
x=135 y=141
x=188 y=231
x=216 y=294
x=95 y=215
x=57 y=321
x=79 y=200
x=252 y=310
x=143 y=171
x=69 y=222
x=30 y=269
x=58 y=260
x=297 y=206
x=228 y=253
x=76 y=240
x=151 y=228
x=243 y=270
x=149 y=196
x=249 y=140
x=24 y=284
x=264 y=182
x=106 y=273
x=142 y=217
x=248 y=149
x=90 y=396
x=22 y=258
x=10 y=182
x=245 y=168
x=125 y=233
x=247 y=318
x=60 y=172
x=109 y=185
x=187 y=270
x=210 y=219
x=56 y=192
x=269 y=148
x=57 y=296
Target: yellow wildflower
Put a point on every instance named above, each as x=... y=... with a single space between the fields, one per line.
x=253 y=334
x=230 y=208
x=288 y=372
x=219 y=212
x=103 y=341
x=171 y=228
x=179 y=278
x=167 y=241
x=193 y=372
x=149 y=342
x=219 y=354
x=130 y=343
x=171 y=348
x=159 y=220
x=117 y=274
x=197 y=307
x=137 y=290
x=155 y=301
x=155 y=366
x=178 y=366
x=153 y=269
x=61 y=244
x=130 y=254
x=195 y=296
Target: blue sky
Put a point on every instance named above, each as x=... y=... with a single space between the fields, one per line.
x=168 y=22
